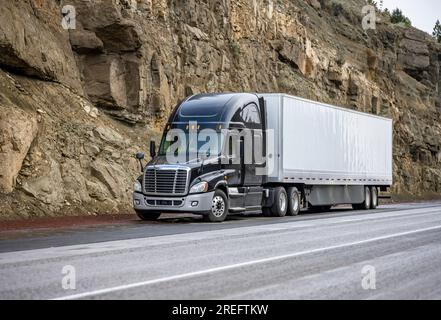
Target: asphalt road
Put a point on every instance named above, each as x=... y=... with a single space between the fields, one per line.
x=390 y=253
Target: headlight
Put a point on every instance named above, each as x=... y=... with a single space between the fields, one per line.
x=137 y=187
x=199 y=187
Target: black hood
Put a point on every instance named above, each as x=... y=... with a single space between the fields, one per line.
x=162 y=160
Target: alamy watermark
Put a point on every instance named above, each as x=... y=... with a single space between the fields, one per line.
x=69 y=279
x=369 y=21
x=227 y=146
x=69 y=20
x=369 y=278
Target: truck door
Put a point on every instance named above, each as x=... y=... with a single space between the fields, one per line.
x=252 y=143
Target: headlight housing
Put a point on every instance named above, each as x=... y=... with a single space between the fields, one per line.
x=199 y=187
x=137 y=187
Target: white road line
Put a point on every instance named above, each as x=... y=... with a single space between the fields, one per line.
x=238 y=265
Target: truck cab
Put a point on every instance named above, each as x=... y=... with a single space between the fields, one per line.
x=211 y=181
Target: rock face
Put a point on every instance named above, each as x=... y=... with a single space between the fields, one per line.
x=32 y=42
x=17 y=131
x=76 y=104
x=414 y=54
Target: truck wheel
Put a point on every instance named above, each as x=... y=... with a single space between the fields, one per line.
x=219 y=207
x=280 y=206
x=148 y=215
x=293 y=202
x=366 y=204
x=374 y=198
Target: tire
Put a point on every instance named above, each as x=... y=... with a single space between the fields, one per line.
x=280 y=205
x=219 y=207
x=366 y=204
x=148 y=215
x=374 y=198
x=293 y=202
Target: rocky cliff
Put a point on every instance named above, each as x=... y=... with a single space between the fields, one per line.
x=76 y=104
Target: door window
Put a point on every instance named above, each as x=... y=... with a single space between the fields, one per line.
x=249 y=115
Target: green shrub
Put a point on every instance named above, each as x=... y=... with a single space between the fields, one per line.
x=397 y=17
x=337 y=8
x=437 y=31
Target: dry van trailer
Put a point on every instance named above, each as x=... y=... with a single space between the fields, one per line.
x=328 y=154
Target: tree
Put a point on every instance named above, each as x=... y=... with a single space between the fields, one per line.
x=398 y=17
x=373 y=3
x=437 y=31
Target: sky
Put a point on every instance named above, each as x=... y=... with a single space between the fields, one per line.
x=422 y=13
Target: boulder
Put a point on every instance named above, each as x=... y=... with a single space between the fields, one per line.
x=112 y=81
x=18 y=130
x=123 y=36
x=108 y=135
x=74 y=180
x=33 y=42
x=97 y=13
x=414 y=54
x=110 y=175
x=48 y=186
x=105 y=81
x=84 y=41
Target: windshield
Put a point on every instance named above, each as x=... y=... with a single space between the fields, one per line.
x=188 y=142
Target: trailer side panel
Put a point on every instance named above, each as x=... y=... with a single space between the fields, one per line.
x=324 y=144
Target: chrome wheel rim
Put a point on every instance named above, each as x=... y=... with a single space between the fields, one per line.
x=295 y=202
x=218 y=206
x=282 y=202
x=368 y=198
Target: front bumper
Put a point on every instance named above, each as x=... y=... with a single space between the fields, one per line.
x=194 y=203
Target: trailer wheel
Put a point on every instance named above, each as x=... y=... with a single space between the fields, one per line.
x=148 y=215
x=219 y=207
x=366 y=204
x=280 y=205
x=374 y=198
x=293 y=201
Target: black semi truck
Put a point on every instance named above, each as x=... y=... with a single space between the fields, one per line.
x=270 y=153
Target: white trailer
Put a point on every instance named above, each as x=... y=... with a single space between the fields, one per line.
x=333 y=152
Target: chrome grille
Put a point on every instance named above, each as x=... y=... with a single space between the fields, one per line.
x=164 y=181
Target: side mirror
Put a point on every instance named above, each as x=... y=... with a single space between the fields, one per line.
x=152 y=149
x=140 y=156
